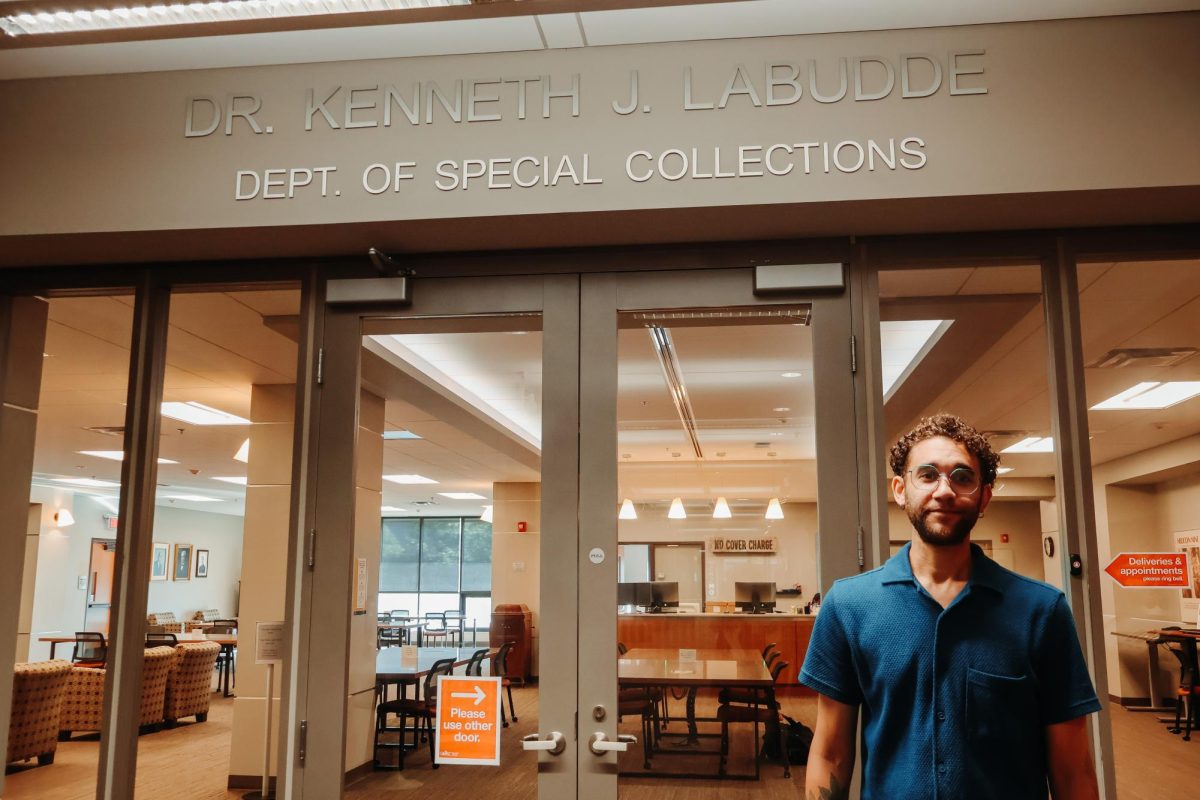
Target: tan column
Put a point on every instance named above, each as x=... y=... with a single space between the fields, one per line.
x=264 y=569
x=368 y=494
x=22 y=334
x=516 y=556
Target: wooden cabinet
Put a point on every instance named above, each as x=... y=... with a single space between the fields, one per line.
x=514 y=623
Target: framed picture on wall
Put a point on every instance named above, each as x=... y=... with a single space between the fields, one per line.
x=201 y=563
x=160 y=562
x=183 y=562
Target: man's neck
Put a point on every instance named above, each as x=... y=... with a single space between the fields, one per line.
x=943 y=571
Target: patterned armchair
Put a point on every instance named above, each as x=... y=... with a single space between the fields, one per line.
x=189 y=687
x=83 y=703
x=208 y=615
x=167 y=620
x=36 y=704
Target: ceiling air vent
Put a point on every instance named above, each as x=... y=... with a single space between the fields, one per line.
x=108 y=430
x=1144 y=357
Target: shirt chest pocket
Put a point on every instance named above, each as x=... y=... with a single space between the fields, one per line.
x=1001 y=709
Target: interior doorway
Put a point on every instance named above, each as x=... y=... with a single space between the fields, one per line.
x=98 y=606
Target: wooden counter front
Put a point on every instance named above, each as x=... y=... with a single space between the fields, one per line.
x=790 y=632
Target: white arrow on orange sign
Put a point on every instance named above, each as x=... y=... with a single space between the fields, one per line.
x=478 y=694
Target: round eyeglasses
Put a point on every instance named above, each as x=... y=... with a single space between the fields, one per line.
x=961 y=480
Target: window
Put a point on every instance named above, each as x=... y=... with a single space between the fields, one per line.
x=436 y=564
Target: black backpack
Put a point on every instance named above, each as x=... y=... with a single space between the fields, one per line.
x=798 y=737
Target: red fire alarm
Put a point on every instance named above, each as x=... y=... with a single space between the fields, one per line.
x=1004 y=538
x=521 y=527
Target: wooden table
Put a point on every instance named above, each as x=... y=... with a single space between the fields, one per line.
x=663 y=668
x=391 y=668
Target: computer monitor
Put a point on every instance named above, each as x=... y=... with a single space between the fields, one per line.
x=663 y=594
x=756 y=597
x=627 y=593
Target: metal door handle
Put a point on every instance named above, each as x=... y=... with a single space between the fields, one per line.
x=601 y=744
x=554 y=742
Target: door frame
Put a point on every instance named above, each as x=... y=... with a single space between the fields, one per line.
x=603 y=298
x=331 y=486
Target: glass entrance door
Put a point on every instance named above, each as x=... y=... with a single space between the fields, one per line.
x=720 y=500
x=444 y=543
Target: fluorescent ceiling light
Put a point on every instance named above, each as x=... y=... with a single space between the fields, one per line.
x=116 y=455
x=192 y=498
x=1032 y=444
x=394 y=510
x=789 y=374
x=677 y=511
x=243 y=453
x=238 y=479
x=462 y=495
x=26 y=23
x=627 y=510
x=89 y=482
x=774 y=510
x=392 y=435
x=1150 y=395
x=721 y=509
x=902 y=345
x=200 y=414
x=486 y=516
x=408 y=479
x=1003 y=470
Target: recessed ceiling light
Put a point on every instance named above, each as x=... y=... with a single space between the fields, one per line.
x=200 y=414
x=190 y=13
x=462 y=495
x=89 y=482
x=393 y=435
x=116 y=455
x=394 y=510
x=1004 y=470
x=191 y=498
x=1032 y=444
x=408 y=479
x=238 y=479
x=1150 y=395
x=781 y=410
x=789 y=374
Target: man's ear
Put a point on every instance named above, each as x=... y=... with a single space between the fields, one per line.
x=898 y=490
x=985 y=498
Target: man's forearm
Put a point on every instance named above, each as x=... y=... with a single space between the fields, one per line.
x=826 y=779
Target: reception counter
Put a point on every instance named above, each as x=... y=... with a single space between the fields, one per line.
x=790 y=632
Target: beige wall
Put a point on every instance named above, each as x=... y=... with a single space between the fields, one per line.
x=1068 y=102
x=516 y=557
x=795 y=562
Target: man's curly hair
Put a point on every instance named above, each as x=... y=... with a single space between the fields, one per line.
x=952 y=427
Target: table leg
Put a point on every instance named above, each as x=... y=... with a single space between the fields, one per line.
x=53 y=647
x=228 y=667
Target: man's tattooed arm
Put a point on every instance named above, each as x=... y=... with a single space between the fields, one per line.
x=834 y=791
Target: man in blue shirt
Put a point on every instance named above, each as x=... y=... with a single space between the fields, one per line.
x=970 y=677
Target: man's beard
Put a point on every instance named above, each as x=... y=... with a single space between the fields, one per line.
x=943 y=538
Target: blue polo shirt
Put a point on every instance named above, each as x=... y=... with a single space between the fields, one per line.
x=955 y=700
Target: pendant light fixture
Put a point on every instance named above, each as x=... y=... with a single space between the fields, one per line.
x=627 y=510
x=721 y=509
x=677 y=511
x=774 y=510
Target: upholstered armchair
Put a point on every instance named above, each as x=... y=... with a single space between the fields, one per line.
x=167 y=620
x=189 y=687
x=83 y=702
x=36 y=704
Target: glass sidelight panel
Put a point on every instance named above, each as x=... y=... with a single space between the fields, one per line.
x=220 y=539
x=718 y=542
x=65 y=595
x=1140 y=335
